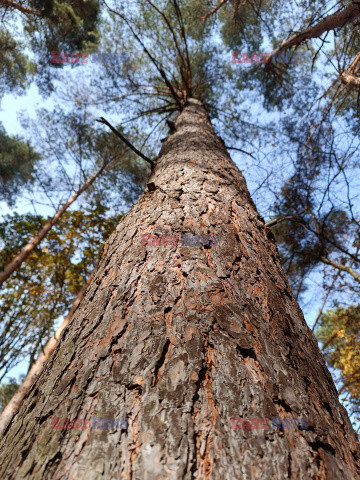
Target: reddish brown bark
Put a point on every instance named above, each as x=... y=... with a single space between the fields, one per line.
x=350 y=79
x=179 y=339
x=350 y=76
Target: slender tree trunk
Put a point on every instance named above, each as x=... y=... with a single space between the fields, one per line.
x=39 y=237
x=179 y=339
x=12 y=407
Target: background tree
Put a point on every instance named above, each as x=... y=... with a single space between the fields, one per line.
x=7 y=391
x=37 y=295
x=41 y=291
x=49 y=25
x=17 y=163
x=338 y=332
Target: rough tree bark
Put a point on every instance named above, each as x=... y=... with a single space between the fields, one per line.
x=179 y=339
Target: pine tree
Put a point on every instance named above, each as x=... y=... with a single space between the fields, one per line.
x=180 y=339
x=189 y=330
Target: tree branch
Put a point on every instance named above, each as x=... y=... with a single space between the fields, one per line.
x=21 y=8
x=350 y=79
x=166 y=20
x=188 y=84
x=239 y=150
x=341 y=267
x=158 y=68
x=130 y=145
x=171 y=88
x=214 y=10
x=325 y=300
x=274 y=222
x=336 y=20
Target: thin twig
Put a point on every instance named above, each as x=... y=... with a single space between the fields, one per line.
x=324 y=301
x=274 y=222
x=240 y=150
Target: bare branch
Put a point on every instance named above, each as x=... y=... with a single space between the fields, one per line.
x=240 y=150
x=130 y=145
x=159 y=110
x=171 y=88
x=278 y=220
x=328 y=293
x=341 y=267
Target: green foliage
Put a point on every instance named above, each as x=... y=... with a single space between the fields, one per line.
x=317 y=226
x=241 y=26
x=68 y=25
x=42 y=290
x=7 y=391
x=17 y=164
x=15 y=68
x=55 y=25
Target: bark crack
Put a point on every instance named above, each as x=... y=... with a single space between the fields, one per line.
x=161 y=361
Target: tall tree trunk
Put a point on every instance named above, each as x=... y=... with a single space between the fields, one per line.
x=179 y=339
